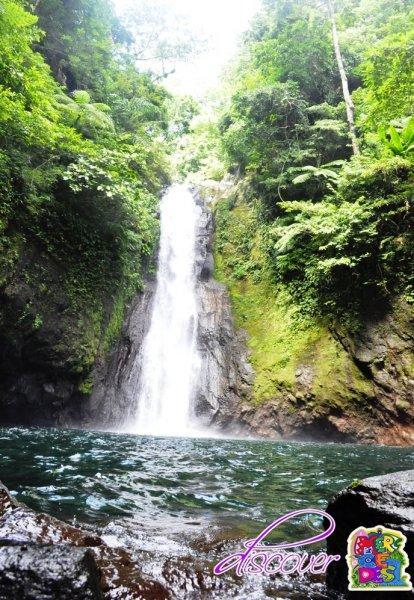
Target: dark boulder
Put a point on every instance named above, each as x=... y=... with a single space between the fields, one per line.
x=42 y=558
x=387 y=500
x=43 y=573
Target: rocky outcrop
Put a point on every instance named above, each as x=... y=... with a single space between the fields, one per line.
x=42 y=558
x=382 y=411
x=113 y=399
x=387 y=500
x=27 y=572
x=226 y=375
x=383 y=350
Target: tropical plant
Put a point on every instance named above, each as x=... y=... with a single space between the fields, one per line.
x=92 y=119
x=400 y=143
x=324 y=172
x=336 y=229
x=351 y=248
x=81 y=167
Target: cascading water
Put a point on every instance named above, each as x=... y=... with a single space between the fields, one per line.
x=169 y=358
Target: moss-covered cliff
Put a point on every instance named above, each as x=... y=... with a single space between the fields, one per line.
x=314 y=376
x=81 y=168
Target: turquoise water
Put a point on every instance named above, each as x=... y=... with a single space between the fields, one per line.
x=188 y=495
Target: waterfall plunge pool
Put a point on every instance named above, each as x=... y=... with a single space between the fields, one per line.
x=181 y=504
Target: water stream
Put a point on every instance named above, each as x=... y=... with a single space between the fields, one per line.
x=169 y=359
x=179 y=505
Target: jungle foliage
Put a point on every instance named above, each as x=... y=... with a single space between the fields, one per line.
x=82 y=159
x=337 y=229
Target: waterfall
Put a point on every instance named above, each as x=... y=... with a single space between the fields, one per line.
x=169 y=358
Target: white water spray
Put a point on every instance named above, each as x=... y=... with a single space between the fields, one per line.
x=169 y=358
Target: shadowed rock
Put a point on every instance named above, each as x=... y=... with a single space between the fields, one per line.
x=42 y=558
x=114 y=396
x=45 y=573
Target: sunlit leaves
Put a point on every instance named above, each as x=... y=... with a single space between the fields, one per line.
x=400 y=143
x=388 y=73
x=91 y=119
x=79 y=184
x=353 y=244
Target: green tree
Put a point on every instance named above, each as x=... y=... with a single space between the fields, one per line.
x=315 y=83
x=80 y=174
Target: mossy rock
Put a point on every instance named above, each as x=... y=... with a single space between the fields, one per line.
x=294 y=355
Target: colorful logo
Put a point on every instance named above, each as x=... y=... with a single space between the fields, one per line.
x=377 y=560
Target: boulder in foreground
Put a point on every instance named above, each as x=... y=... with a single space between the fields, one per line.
x=42 y=558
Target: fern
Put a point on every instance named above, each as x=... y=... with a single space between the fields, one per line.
x=325 y=172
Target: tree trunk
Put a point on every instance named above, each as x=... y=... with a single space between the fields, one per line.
x=350 y=108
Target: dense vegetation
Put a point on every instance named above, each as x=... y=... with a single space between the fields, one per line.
x=332 y=224
x=82 y=161
x=314 y=122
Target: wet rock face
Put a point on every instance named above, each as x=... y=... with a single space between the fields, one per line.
x=226 y=375
x=48 y=573
x=42 y=558
x=387 y=500
x=382 y=351
x=47 y=345
x=113 y=399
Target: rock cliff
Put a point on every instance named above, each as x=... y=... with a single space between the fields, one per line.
x=115 y=379
x=226 y=375
x=380 y=412
x=278 y=379
x=314 y=378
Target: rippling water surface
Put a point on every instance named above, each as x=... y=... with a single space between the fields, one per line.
x=180 y=499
